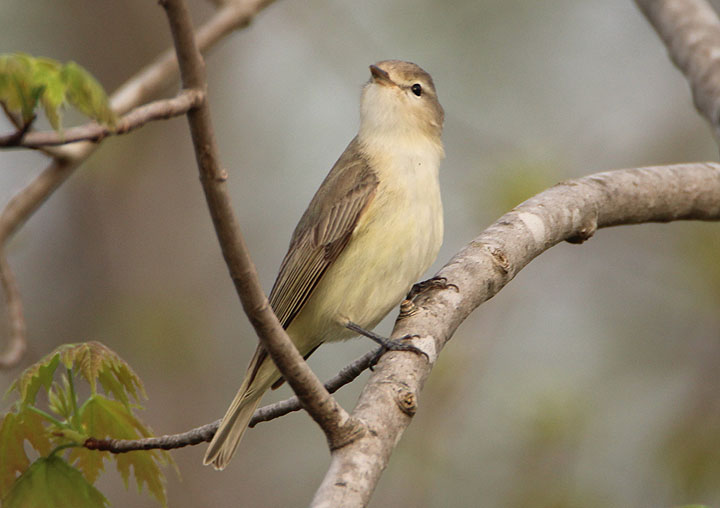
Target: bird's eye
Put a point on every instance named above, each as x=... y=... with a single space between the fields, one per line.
x=416 y=89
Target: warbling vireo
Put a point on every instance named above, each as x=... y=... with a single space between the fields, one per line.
x=372 y=229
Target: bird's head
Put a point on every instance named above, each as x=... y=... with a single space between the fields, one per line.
x=399 y=102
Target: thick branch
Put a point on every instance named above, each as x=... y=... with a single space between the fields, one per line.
x=158 y=110
x=206 y=432
x=323 y=408
x=691 y=31
x=569 y=211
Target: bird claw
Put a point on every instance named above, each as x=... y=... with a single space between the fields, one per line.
x=387 y=344
x=427 y=285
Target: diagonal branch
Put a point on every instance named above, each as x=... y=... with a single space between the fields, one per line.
x=146 y=84
x=569 y=211
x=157 y=110
x=690 y=30
x=330 y=416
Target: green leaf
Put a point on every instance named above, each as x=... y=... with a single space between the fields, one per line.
x=146 y=467
x=47 y=71
x=18 y=91
x=86 y=94
x=35 y=376
x=94 y=362
x=15 y=428
x=26 y=82
x=60 y=399
x=104 y=418
x=52 y=483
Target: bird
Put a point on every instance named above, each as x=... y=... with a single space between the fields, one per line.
x=372 y=229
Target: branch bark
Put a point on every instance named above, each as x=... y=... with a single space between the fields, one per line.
x=690 y=30
x=157 y=110
x=322 y=407
x=140 y=88
x=206 y=432
x=570 y=211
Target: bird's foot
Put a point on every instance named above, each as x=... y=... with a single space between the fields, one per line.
x=427 y=285
x=385 y=343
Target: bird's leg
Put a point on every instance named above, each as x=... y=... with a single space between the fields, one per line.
x=385 y=343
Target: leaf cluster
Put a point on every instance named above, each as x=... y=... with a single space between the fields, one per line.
x=28 y=82
x=57 y=430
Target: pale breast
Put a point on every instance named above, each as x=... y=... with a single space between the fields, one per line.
x=394 y=243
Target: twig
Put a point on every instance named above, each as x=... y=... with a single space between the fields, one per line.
x=690 y=30
x=169 y=442
x=139 y=89
x=17 y=340
x=323 y=408
x=206 y=432
x=158 y=110
x=345 y=376
x=572 y=211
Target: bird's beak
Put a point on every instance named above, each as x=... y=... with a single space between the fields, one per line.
x=380 y=76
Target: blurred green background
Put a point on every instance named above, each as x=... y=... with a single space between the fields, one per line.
x=592 y=380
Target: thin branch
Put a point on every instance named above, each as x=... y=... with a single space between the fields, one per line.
x=17 y=340
x=690 y=30
x=323 y=408
x=158 y=110
x=569 y=211
x=206 y=432
x=137 y=90
x=345 y=376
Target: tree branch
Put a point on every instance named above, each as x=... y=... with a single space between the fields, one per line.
x=569 y=211
x=691 y=31
x=323 y=408
x=158 y=110
x=206 y=432
x=140 y=88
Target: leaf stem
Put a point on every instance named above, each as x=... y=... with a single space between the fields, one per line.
x=49 y=417
x=63 y=446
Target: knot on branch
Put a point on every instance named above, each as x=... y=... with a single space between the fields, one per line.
x=586 y=230
x=406 y=400
x=352 y=430
x=407 y=309
x=500 y=260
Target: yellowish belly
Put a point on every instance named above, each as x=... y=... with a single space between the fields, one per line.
x=395 y=242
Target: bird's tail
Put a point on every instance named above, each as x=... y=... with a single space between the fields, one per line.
x=260 y=375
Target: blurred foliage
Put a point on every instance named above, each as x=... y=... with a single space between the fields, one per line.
x=66 y=423
x=548 y=455
x=689 y=449
x=516 y=180
x=27 y=82
x=700 y=250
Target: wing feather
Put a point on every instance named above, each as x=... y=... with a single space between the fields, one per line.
x=321 y=235
x=323 y=232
